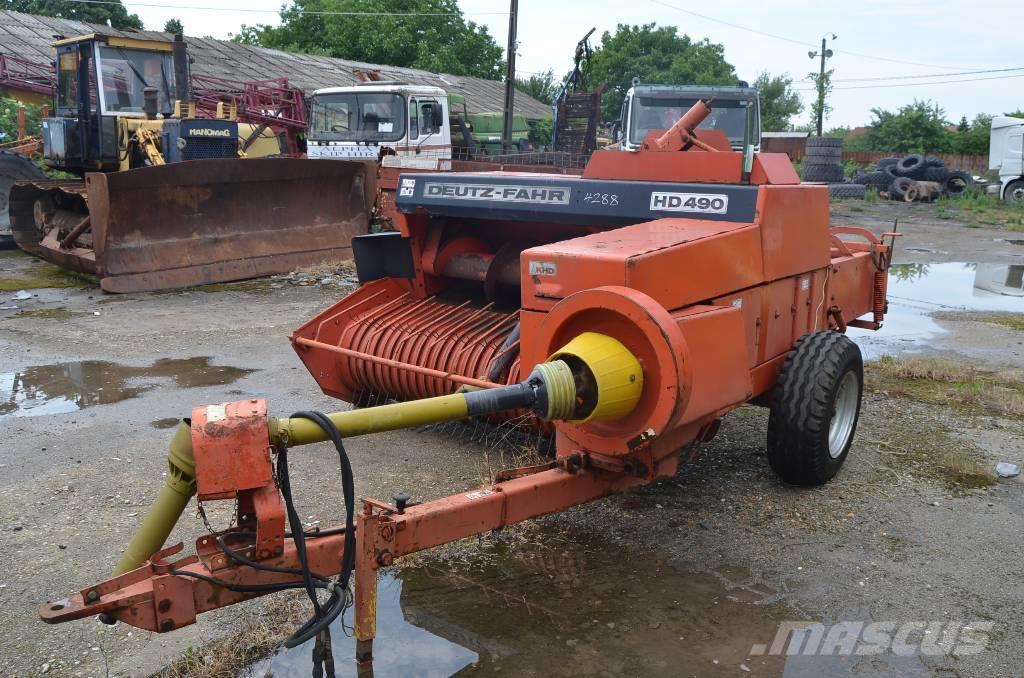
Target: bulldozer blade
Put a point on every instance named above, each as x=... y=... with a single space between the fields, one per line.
x=208 y=221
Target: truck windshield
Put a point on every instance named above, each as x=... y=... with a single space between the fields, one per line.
x=358 y=116
x=126 y=74
x=727 y=115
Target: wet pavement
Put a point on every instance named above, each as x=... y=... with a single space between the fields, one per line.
x=918 y=290
x=68 y=387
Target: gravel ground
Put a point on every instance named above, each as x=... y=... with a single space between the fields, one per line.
x=888 y=540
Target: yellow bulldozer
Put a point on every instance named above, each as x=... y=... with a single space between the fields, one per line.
x=169 y=198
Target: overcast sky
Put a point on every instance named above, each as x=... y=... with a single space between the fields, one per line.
x=937 y=38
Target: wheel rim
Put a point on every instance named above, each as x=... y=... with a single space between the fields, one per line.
x=844 y=415
x=1017 y=194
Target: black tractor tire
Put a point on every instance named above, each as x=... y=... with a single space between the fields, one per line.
x=1014 y=192
x=824 y=142
x=898 y=188
x=877 y=179
x=13 y=168
x=932 y=161
x=886 y=162
x=830 y=153
x=939 y=174
x=910 y=166
x=815 y=406
x=958 y=183
x=828 y=174
x=855 y=191
x=890 y=171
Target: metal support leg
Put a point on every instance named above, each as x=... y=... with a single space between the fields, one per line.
x=366 y=590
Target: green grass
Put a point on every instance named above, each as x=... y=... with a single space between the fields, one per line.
x=938 y=381
x=44 y=275
x=977 y=208
x=1015 y=321
x=56 y=313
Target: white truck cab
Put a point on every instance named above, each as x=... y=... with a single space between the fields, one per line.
x=409 y=123
x=648 y=107
x=1006 y=156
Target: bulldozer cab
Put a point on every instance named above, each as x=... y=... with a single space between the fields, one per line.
x=103 y=79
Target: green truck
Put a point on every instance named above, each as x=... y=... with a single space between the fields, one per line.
x=486 y=128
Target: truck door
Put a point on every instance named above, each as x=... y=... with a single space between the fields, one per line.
x=429 y=133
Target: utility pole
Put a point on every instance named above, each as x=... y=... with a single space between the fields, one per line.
x=825 y=53
x=510 y=76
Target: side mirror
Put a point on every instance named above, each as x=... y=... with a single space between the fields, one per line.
x=437 y=116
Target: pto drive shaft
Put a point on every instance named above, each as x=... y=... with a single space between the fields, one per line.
x=593 y=377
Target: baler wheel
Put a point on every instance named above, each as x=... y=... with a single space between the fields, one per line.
x=815 y=408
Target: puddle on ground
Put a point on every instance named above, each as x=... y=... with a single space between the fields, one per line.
x=68 y=387
x=168 y=422
x=571 y=605
x=918 y=290
x=559 y=607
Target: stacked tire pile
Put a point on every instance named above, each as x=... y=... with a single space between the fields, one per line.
x=896 y=176
x=823 y=162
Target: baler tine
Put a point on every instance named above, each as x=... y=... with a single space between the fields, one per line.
x=225 y=450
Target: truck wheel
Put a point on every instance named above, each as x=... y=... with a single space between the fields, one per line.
x=814 y=408
x=1014 y=192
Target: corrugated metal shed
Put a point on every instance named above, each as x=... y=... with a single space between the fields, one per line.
x=30 y=36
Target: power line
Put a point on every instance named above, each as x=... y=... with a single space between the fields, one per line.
x=937 y=75
x=913 y=84
x=798 y=42
x=802 y=43
x=276 y=11
x=920 y=76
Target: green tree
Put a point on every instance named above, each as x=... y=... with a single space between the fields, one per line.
x=540 y=132
x=435 y=37
x=111 y=13
x=919 y=127
x=657 y=55
x=1019 y=113
x=541 y=86
x=9 y=119
x=779 y=103
x=972 y=140
x=174 y=26
x=820 y=105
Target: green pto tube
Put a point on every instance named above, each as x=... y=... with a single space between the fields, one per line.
x=594 y=377
x=169 y=505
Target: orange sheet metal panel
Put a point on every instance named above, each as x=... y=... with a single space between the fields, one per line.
x=714 y=337
x=775 y=315
x=773 y=168
x=696 y=166
x=850 y=285
x=748 y=302
x=231 y=447
x=677 y=262
x=794 y=229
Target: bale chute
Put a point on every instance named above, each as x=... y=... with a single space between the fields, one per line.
x=198 y=222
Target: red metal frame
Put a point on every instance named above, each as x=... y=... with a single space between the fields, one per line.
x=30 y=76
x=274 y=103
